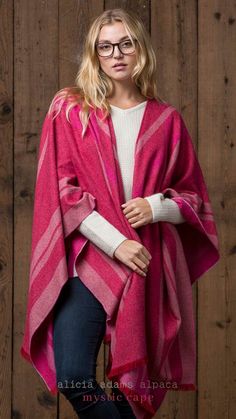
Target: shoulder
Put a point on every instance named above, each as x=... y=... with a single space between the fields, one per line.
x=174 y=120
x=63 y=100
x=176 y=117
x=168 y=106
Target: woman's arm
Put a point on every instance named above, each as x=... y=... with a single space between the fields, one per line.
x=164 y=209
x=101 y=233
x=106 y=237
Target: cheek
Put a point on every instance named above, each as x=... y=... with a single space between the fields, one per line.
x=104 y=66
x=133 y=61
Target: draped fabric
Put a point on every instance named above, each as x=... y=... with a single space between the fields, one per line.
x=150 y=322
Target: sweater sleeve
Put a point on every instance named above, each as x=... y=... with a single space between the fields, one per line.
x=164 y=209
x=101 y=233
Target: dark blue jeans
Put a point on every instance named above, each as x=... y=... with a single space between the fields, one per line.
x=79 y=327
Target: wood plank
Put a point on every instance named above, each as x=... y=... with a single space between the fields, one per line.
x=174 y=38
x=217 y=125
x=140 y=7
x=6 y=203
x=74 y=19
x=36 y=80
x=47 y=48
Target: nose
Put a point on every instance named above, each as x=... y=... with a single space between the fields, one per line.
x=116 y=51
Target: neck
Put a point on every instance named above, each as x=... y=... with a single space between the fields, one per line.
x=125 y=91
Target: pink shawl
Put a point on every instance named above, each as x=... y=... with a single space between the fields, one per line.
x=150 y=323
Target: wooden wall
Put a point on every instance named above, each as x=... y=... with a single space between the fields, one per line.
x=40 y=47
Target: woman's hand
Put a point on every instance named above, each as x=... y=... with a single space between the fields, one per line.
x=134 y=255
x=138 y=212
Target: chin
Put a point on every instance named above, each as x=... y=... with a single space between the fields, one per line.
x=121 y=77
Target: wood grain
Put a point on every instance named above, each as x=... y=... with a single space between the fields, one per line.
x=35 y=81
x=217 y=127
x=6 y=204
x=40 y=51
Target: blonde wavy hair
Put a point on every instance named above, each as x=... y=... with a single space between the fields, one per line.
x=92 y=85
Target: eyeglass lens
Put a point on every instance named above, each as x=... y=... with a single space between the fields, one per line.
x=105 y=49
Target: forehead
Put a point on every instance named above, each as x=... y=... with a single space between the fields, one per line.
x=113 y=32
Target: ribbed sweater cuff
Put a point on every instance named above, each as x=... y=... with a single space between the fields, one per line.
x=164 y=209
x=101 y=233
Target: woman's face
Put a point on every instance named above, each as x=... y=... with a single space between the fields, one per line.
x=115 y=33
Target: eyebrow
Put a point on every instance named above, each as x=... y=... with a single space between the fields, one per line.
x=106 y=40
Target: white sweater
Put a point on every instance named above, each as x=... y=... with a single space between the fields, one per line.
x=95 y=227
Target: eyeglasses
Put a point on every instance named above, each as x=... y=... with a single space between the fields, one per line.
x=106 y=49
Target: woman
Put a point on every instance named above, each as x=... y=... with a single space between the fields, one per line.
x=122 y=228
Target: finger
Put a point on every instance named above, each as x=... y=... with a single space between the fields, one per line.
x=128 y=210
x=141 y=262
x=136 y=269
x=126 y=203
x=144 y=259
x=132 y=214
x=138 y=224
x=147 y=254
x=134 y=218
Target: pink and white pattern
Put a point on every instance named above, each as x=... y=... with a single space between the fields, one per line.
x=150 y=323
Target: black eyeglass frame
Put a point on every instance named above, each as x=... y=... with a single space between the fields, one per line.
x=113 y=47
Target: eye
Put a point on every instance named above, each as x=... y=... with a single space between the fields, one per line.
x=104 y=47
x=127 y=44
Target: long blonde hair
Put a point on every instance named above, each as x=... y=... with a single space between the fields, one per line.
x=93 y=86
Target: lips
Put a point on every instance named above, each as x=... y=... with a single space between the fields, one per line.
x=119 y=65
